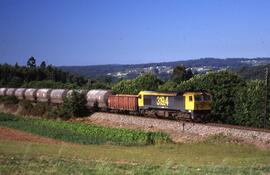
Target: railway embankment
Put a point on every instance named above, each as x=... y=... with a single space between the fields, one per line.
x=178 y=130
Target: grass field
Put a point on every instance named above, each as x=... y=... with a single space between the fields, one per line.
x=216 y=155
x=205 y=158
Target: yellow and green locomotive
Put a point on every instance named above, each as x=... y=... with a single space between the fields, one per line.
x=187 y=105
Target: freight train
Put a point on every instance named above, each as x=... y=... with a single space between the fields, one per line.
x=194 y=105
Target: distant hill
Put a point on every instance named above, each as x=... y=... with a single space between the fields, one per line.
x=164 y=69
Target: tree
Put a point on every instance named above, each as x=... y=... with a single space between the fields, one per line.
x=180 y=74
x=31 y=62
x=124 y=87
x=188 y=74
x=16 y=76
x=15 y=82
x=43 y=65
x=75 y=105
x=16 y=66
x=147 y=81
x=249 y=108
x=168 y=86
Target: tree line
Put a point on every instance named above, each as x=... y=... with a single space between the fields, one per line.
x=43 y=76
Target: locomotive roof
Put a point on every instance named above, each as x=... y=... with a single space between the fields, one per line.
x=174 y=93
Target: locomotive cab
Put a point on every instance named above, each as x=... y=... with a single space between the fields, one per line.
x=198 y=103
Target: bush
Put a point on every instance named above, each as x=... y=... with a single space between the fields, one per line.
x=40 y=109
x=25 y=107
x=73 y=106
x=8 y=117
x=9 y=100
x=58 y=112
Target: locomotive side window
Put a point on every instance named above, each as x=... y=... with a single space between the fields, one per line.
x=198 y=98
x=147 y=100
x=206 y=97
x=190 y=98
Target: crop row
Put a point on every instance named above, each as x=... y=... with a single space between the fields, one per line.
x=82 y=133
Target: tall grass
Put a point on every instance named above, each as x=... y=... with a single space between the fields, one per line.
x=82 y=133
x=44 y=164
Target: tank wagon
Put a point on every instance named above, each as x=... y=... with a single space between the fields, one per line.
x=98 y=98
x=174 y=105
x=30 y=94
x=43 y=95
x=3 y=91
x=69 y=93
x=57 y=95
x=19 y=93
x=10 y=92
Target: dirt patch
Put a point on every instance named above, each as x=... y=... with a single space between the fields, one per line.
x=8 y=108
x=12 y=134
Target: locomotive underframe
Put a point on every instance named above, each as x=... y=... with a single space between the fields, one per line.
x=197 y=116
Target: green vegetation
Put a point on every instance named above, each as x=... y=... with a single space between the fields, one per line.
x=26 y=107
x=82 y=133
x=180 y=74
x=235 y=100
x=224 y=86
x=253 y=72
x=147 y=81
x=250 y=105
x=37 y=76
x=44 y=76
x=9 y=100
x=74 y=106
x=38 y=110
x=61 y=165
x=200 y=158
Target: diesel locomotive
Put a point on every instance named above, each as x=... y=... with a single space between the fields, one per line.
x=193 y=105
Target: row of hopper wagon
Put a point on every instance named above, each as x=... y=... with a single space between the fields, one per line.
x=103 y=99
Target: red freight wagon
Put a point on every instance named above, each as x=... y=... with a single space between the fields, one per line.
x=123 y=102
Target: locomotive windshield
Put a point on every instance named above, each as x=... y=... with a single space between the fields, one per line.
x=198 y=98
x=206 y=97
x=203 y=97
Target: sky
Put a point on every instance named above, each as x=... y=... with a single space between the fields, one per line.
x=91 y=32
